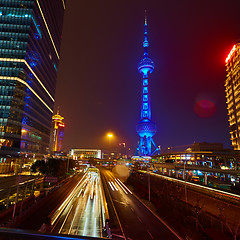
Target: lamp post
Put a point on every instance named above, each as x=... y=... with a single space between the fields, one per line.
x=185 y=180
x=18 y=182
x=110 y=136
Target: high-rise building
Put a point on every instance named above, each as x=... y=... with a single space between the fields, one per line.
x=56 y=138
x=30 y=37
x=146 y=128
x=232 y=89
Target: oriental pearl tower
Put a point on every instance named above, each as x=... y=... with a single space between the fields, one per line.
x=146 y=128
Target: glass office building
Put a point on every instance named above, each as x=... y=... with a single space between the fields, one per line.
x=30 y=37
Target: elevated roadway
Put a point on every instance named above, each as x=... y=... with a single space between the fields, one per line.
x=136 y=220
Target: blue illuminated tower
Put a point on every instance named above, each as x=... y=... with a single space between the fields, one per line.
x=146 y=128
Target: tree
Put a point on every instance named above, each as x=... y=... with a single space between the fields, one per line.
x=39 y=166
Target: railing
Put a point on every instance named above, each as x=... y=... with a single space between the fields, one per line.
x=17 y=234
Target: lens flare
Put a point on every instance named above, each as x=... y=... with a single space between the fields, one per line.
x=204 y=108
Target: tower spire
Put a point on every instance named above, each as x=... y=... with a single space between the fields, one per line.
x=145 y=43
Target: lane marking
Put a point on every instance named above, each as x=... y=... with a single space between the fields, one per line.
x=139 y=219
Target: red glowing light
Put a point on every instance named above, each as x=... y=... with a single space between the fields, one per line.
x=231 y=53
x=61 y=125
x=205 y=108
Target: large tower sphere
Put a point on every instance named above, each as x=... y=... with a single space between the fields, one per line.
x=146 y=128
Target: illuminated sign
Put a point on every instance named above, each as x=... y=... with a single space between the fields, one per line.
x=61 y=125
x=231 y=53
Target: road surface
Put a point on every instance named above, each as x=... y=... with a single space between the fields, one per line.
x=82 y=214
x=137 y=221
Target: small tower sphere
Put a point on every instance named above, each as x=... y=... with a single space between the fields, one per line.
x=145 y=66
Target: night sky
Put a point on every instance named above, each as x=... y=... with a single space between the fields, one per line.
x=99 y=87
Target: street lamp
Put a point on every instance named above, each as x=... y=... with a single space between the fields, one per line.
x=109 y=135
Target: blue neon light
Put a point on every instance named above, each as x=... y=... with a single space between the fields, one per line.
x=37 y=27
x=146 y=129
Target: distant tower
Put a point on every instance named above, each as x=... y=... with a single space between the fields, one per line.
x=57 y=133
x=146 y=129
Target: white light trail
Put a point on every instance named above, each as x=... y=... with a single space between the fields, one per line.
x=85 y=227
x=121 y=186
x=79 y=192
x=87 y=204
x=64 y=204
x=124 y=186
x=65 y=219
x=111 y=185
x=94 y=228
x=93 y=209
x=114 y=185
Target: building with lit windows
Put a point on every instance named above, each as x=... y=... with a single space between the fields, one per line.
x=56 y=138
x=30 y=37
x=203 y=154
x=86 y=153
x=232 y=89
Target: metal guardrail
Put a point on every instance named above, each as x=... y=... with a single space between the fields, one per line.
x=196 y=167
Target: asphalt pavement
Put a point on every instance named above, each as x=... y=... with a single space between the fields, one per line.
x=137 y=221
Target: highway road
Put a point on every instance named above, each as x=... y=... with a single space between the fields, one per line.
x=136 y=220
x=81 y=213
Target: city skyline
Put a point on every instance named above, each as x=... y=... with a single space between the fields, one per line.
x=102 y=92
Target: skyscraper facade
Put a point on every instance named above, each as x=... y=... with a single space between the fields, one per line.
x=232 y=89
x=146 y=128
x=30 y=37
x=56 y=138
